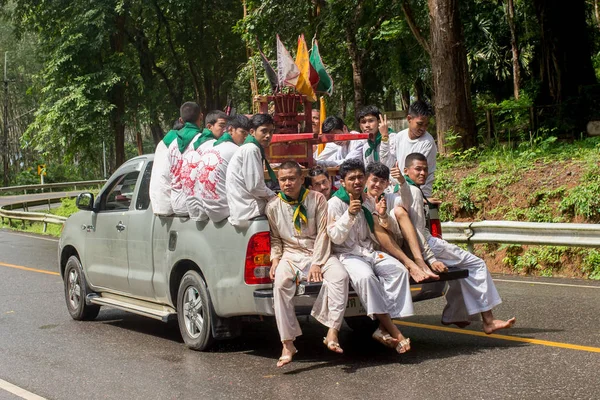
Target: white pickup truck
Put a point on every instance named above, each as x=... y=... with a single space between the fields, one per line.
x=115 y=252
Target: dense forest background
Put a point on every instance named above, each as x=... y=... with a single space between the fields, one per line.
x=82 y=75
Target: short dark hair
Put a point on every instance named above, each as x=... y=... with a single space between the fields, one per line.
x=260 y=120
x=190 y=111
x=420 y=108
x=291 y=165
x=351 y=165
x=239 y=121
x=412 y=157
x=213 y=116
x=368 y=110
x=332 y=123
x=317 y=170
x=379 y=170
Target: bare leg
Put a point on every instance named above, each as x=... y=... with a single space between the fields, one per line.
x=287 y=353
x=410 y=236
x=491 y=325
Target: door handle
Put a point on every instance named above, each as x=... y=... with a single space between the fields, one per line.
x=120 y=227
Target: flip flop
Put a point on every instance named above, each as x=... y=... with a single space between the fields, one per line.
x=385 y=339
x=287 y=359
x=333 y=346
x=403 y=346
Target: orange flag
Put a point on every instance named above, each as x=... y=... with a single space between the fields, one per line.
x=322 y=116
x=302 y=61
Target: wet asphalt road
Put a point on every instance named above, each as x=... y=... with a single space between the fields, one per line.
x=124 y=356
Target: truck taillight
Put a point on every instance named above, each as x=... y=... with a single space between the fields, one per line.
x=258 y=261
x=436 y=228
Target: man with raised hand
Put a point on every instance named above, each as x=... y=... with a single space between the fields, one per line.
x=416 y=139
x=401 y=229
x=247 y=193
x=381 y=281
x=300 y=249
x=466 y=297
x=209 y=197
x=165 y=180
x=378 y=149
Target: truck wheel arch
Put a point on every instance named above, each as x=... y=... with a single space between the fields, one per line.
x=65 y=254
x=177 y=272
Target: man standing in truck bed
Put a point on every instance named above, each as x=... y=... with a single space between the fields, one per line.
x=300 y=248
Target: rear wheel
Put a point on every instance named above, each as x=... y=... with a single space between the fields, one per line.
x=193 y=312
x=76 y=291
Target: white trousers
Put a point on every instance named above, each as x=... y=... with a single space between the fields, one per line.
x=469 y=296
x=330 y=304
x=381 y=282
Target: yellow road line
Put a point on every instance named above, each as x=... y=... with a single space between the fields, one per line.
x=415 y=289
x=28 y=269
x=502 y=337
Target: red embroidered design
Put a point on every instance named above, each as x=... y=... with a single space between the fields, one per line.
x=208 y=174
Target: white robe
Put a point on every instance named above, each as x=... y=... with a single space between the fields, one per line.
x=425 y=145
x=465 y=297
x=387 y=152
x=329 y=157
x=247 y=193
x=381 y=281
x=297 y=252
x=160 y=181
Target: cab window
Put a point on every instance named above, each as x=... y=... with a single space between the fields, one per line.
x=119 y=196
x=143 y=198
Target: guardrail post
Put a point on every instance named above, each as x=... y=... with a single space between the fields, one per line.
x=470 y=247
x=45 y=227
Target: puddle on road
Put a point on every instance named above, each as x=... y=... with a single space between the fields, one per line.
x=48 y=326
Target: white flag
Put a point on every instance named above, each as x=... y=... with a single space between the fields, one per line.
x=287 y=70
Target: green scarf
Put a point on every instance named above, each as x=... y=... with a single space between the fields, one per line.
x=252 y=139
x=298 y=205
x=343 y=195
x=204 y=137
x=373 y=144
x=225 y=138
x=412 y=183
x=184 y=136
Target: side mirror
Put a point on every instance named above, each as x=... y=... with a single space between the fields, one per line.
x=85 y=201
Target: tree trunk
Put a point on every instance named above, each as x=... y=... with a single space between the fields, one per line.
x=405 y=98
x=117 y=94
x=389 y=103
x=419 y=89
x=565 y=62
x=451 y=80
x=510 y=16
x=597 y=13
x=357 y=74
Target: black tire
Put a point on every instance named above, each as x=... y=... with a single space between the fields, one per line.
x=362 y=325
x=76 y=290
x=193 y=312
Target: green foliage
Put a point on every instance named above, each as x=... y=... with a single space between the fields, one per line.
x=584 y=199
x=542 y=260
x=591 y=264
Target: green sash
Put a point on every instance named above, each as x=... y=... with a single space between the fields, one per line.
x=204 y=137
x=373 y=144
x=343 y=195
x=252 y=139
x=225 y=138
x=412 y=183
x=299 y=209
x=184 y=136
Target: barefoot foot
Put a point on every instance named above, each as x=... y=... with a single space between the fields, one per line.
x=498 y=324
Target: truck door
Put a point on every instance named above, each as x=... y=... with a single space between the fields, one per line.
x=139 y=241
x=106 y=243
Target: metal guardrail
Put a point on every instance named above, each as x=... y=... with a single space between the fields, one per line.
x=51 y=186
x=8 y=212
x=535 y=233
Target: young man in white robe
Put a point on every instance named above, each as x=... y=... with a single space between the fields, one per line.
x=335 y=153
x=247 y=193
x=165 y=179
x=379 y=149
x=209 y=196
x=416 y=139
x=468 y=297
x=301 y=250
x=381 y=281
x=399 y=224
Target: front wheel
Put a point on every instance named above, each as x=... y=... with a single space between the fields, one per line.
x=76 y=291
x=193 y=312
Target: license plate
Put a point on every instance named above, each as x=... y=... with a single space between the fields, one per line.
x=354 y=307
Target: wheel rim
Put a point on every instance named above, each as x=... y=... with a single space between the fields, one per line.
x=74 y=289
x=193 y=312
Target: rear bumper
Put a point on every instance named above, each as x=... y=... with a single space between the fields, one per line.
x=306 y=293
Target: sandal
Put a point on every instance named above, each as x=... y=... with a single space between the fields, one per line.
x=333 y=346
x=384 y=338
x=284 y=360
x=403 y=346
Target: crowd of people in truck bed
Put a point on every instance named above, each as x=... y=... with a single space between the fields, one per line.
x=370 y=229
